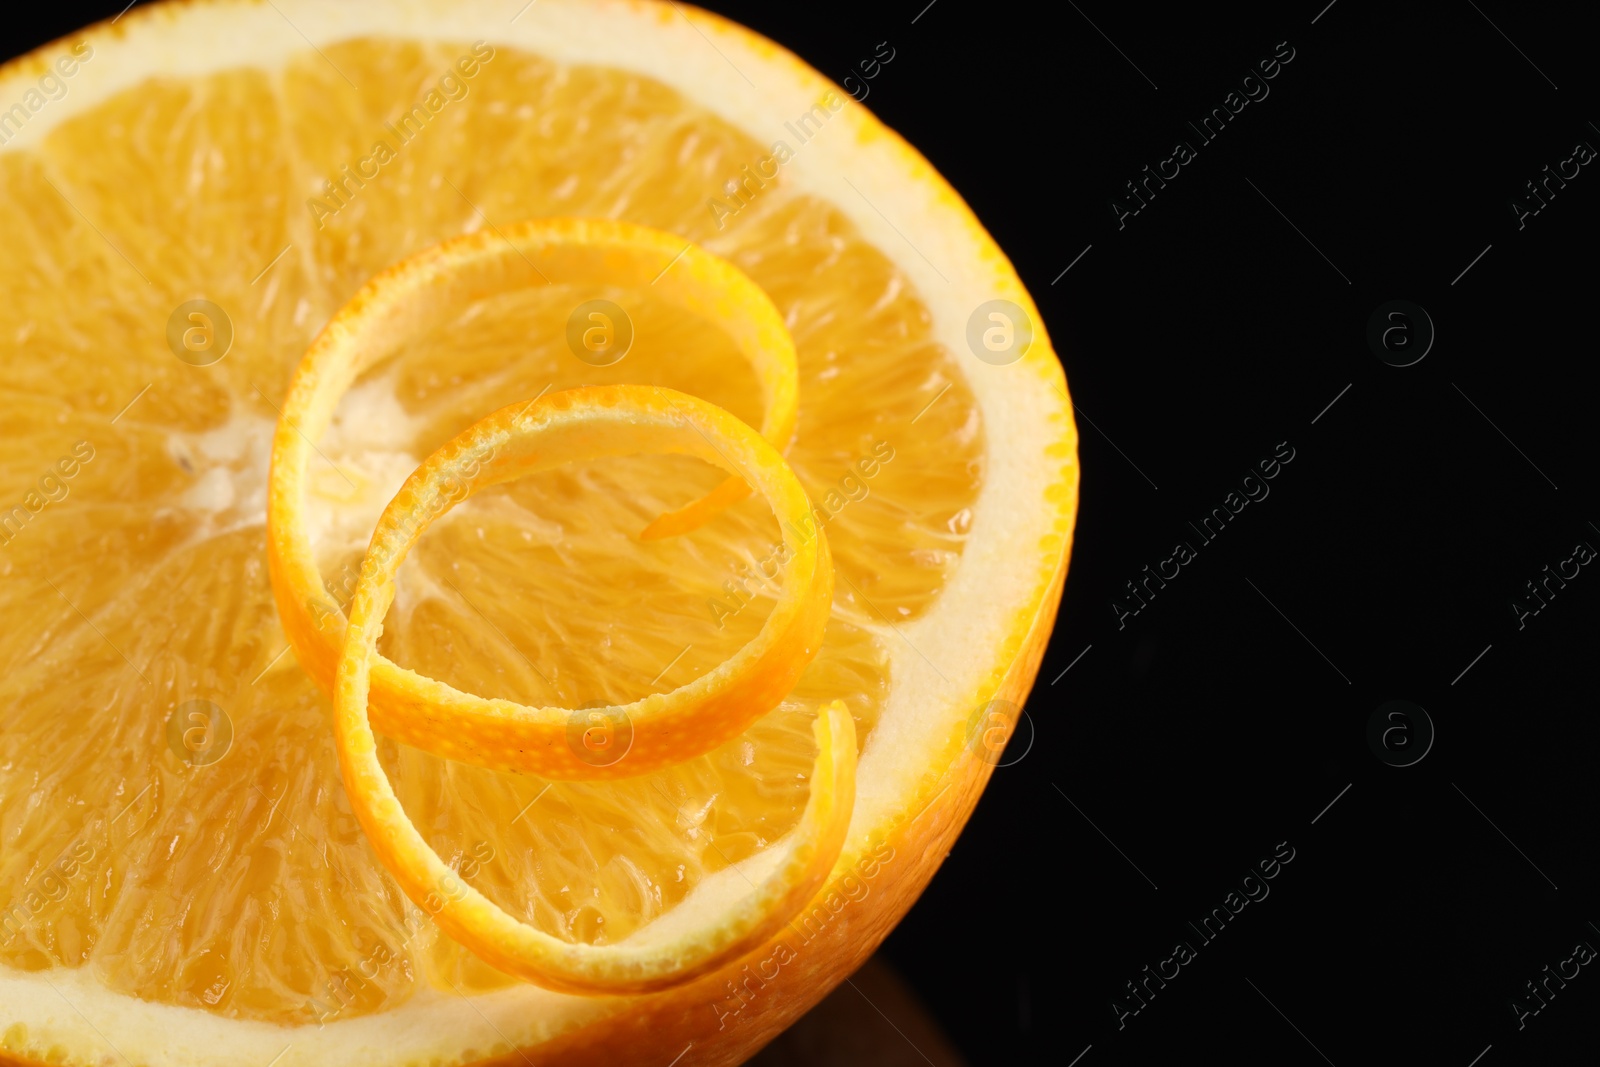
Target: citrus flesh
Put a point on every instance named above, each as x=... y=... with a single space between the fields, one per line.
x=234 y=911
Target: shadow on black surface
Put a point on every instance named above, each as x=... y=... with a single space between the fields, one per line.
x=873 y=1020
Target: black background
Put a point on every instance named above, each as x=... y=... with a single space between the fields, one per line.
x=1226 y=715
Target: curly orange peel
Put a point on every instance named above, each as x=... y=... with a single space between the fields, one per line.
x=400 y=302
x=597 y=423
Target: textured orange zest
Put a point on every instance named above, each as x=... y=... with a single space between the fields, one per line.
x=588 y=423
x=399 y=302
x=697 y=514
x=666 y=728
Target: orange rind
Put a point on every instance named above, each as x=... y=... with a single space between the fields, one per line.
x=587 y=424
x=664 y=728
x=579 y=252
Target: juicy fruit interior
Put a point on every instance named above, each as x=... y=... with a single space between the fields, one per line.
x=246 y=887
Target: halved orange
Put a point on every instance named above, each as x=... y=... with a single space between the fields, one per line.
x=182 y=879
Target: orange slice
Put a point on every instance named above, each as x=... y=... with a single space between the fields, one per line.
x=498 y=734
